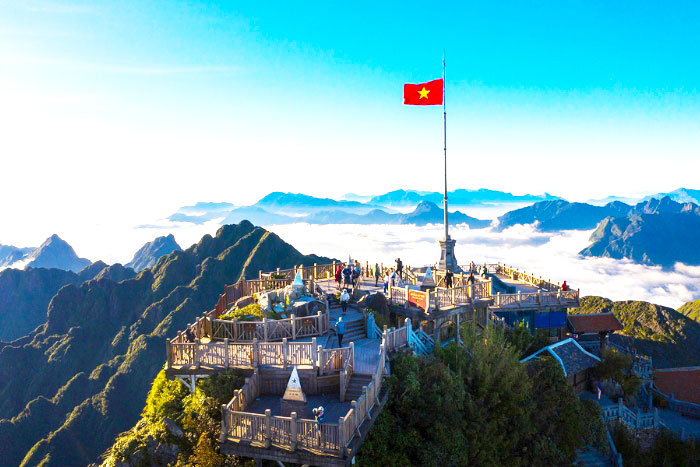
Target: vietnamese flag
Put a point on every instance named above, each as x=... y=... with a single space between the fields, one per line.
x=429 y=93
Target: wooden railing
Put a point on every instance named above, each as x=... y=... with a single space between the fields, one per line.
x=346 y=372
x=225 y=354
x=568 y=298
x=292 y=432
x=271 y=329
x=523 y=276
x=332 y=360
x=396 y=338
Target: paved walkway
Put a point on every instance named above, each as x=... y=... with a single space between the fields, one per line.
x=330 y=402
x=521 y=287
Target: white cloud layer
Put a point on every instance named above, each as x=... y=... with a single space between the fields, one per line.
x=550 y=255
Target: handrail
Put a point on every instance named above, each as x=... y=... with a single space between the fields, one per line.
x=292 y=432
x=346 y=372
x=522 y=276
x=561 y=297
x=682 y=407
x=225 y=354
x=293 y=327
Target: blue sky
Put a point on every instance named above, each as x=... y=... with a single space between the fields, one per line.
x=108 y=104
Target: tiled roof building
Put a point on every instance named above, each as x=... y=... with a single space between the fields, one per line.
x=575 y=362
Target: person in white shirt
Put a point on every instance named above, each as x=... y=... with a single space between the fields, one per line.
x=344 y=299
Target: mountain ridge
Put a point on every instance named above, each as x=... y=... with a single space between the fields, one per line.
x=91 y=364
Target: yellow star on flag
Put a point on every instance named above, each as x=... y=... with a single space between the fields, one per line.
x=423 y=93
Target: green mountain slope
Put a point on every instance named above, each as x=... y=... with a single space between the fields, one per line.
x=24 y=296
x=82 y=378
x=691 y=310
x=668 y=336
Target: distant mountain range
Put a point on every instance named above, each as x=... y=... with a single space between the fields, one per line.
x=659 y=232
x=9 y=254
x=561 y=215
x=460 y=197
x=425 y=213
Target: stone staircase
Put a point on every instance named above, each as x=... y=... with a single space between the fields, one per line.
x=355 y=386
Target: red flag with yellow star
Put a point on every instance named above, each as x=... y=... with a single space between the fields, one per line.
x=429 y=93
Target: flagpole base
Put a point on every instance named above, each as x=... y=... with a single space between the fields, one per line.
x=447 y=256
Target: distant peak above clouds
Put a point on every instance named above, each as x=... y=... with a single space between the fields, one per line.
x=53 y=253
x=148 y=255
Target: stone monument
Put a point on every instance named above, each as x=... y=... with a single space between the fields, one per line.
x=428 y=282
x=294 y=399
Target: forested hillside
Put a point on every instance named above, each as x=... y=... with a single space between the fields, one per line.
x=81 y=378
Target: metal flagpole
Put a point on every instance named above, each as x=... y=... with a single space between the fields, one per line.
x=444 y=130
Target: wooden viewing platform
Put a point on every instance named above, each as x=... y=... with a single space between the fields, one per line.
x=349 y=381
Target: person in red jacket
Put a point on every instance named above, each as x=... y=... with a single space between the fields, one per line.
x=337 y=275
x=564 y=287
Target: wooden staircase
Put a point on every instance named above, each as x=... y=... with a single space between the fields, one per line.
x=354 y=330
x=354 y=390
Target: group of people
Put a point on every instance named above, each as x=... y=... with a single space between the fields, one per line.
x=347 y=274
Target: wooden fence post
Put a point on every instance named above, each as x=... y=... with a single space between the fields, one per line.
x=223 y=423
x=169 y=353
x=353 y=405
x=319 y=352
x=293 y=426
x=314 y=355
x=341 y=437
x=285 y=353
x=226 y=364
x=367 y=417
x=268 y=428
x=256 y=353
x=315 y=271
x=265 y=329
x=294 y=326
x=196 y=353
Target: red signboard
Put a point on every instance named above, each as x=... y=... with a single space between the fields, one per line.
x=417 y=298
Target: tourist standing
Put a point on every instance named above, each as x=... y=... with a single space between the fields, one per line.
x=386 y=282
x=356 y=273
x=376 y=274
x=344 y=299
x=399 y=267
x=338 y=271
x=470 y=279
x=448 y=279
x=340 y=330
x=189 y=335
x=564 y=287
x=347 y=275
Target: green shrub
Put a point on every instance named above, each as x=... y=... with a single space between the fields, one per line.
x=252 y=312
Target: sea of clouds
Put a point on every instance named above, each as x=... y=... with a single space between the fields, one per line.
x=549 y=255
